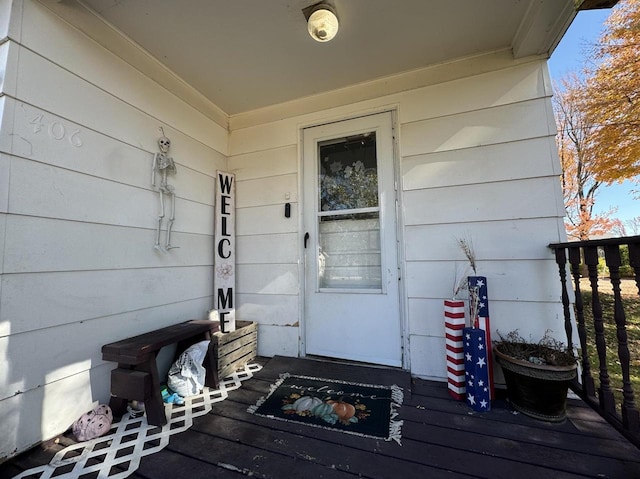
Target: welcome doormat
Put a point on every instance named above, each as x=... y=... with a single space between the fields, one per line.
x=362 y=409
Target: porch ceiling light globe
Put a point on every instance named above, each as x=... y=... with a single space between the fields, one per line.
x=322 y=23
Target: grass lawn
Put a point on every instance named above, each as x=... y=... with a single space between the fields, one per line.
x=631 y=303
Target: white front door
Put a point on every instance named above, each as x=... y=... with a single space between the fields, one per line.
x=352 y=308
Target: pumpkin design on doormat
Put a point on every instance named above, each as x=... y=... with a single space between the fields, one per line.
x=329 y=410
x=363 y=409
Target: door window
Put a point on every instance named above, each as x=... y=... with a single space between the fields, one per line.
x=349 y=214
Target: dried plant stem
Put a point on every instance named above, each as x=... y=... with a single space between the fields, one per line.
x=466 y=245
x=459 y=280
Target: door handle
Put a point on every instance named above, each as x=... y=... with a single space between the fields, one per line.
x=306 y=238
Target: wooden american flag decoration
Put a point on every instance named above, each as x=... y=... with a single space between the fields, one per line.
x=454 y=323
x=478 y=391
x=478 y=288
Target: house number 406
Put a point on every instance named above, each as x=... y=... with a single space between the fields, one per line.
x=57 y=131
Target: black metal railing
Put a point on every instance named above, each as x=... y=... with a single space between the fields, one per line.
x=583 y=260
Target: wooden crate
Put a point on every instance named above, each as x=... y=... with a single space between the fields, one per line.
x=233 y=351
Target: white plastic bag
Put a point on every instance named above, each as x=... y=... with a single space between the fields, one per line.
x=186 y=375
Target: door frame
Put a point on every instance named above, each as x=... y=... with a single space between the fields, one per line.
x=400 y=244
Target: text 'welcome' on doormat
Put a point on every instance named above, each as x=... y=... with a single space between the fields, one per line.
x=362 y=409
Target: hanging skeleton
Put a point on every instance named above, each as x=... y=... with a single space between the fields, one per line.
x=163 y=165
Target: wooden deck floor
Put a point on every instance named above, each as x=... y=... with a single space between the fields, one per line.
x=440 y=438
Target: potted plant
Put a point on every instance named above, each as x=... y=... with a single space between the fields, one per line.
x=537 y=374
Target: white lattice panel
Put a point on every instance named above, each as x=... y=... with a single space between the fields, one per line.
x=117 y=454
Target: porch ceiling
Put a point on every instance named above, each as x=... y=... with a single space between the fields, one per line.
x=249 y=54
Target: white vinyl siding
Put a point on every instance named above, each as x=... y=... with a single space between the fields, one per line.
x=477 y=159
x=78 y=217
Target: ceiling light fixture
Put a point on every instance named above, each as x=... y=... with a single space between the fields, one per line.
x=322 y=22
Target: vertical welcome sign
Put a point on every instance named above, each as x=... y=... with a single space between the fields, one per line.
x=224 y=277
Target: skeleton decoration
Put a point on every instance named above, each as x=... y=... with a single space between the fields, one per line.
x=163 y=165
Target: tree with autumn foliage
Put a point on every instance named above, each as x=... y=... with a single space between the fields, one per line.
x=614 y=95
x=598 y=118
x=579 y=161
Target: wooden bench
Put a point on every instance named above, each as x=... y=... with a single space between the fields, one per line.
x=136 y=377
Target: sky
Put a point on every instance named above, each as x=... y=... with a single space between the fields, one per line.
x=570 y=55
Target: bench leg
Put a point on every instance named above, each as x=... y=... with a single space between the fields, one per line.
x=155 y=410
x=211 y=366
x=154 y=405
x=118 y=406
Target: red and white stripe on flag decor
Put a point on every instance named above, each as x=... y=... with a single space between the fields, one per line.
x=454 y=324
